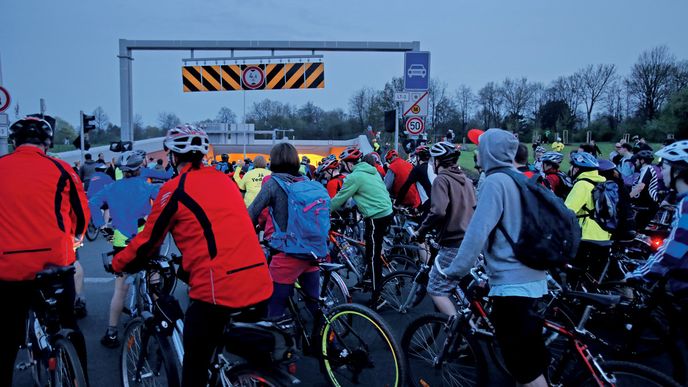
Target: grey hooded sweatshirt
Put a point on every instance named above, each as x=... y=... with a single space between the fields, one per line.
x=498 y=199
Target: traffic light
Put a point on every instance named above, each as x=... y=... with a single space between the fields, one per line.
x=88 y=122
x=390 y=117
x=77 y=143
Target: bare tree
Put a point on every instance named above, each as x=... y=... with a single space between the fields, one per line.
x=226 y=116
x=440 y=104
x=465 y=101
x=518 y=95
x=593 y=81
x=681 y=77
x=490 y=101
x=360 y=106
x=565 y=88
x=101 y=118
x=651 y=80
x=138 y=122
x=614 y=101
x=168 y=120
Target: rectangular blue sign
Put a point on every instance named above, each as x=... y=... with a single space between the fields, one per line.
x=416 y=70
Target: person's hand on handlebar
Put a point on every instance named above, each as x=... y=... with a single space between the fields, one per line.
x=108 y=233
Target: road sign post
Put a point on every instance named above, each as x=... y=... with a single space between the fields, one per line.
x=396 y=128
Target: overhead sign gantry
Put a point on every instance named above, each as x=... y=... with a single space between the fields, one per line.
x=257 y=77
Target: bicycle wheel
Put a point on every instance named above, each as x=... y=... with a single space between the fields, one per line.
x=147 y=358
x=336 y=292
x=91 y=231
x=68 y=371
x=628 y=374
x=357 y=348
x=244 y=375
x=396 y=291
x=401 y=262
x=424 y=339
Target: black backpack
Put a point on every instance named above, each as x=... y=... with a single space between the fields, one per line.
x=550 y=233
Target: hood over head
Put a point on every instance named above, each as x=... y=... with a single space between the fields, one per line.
x=454 y=173
x=497 y=149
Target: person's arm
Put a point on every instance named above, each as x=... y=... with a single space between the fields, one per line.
x=261 y=201
x=156 y=174
x=643 y=181
x=145 y=243
x=389 y=180
x=97 y=201
x=79 y=211
x=438 y=208
x=487 y=215
x=242 y=182
x=349 y=188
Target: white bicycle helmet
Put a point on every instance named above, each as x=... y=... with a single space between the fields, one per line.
x=130 y=161
x=552 y=157
x=675 y=153
x=187 y=138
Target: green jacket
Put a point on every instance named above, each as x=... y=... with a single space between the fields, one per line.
x=580 y=199
x=368 y=190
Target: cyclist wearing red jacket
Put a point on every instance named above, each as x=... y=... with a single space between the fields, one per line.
x=397 y=174
x=207 y=217
x=42 y=213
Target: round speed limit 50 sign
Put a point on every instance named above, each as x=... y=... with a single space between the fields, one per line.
x=415 y=126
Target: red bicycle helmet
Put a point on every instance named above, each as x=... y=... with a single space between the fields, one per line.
x=390 y=155
x=351 y=153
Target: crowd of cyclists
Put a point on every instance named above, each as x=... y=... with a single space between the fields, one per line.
x=224 y=217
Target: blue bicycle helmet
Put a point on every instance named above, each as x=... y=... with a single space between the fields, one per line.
x=552 y=157
x=584 y=160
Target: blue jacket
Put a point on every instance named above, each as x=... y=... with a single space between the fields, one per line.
x=129 y=199
x=98 y=181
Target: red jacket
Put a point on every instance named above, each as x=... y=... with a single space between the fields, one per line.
x=207 y=217
x=402 y=170
x=335 y=184
x=43 y=207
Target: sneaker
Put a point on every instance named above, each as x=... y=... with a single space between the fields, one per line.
x=110 y=340
x=80 y=308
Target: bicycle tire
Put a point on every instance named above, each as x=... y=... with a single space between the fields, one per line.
x=336 y=293
x=246 y=375
x=629 y=374
x=421 y=342
x=402 y=262
x=396 y=291
x=68 y=371
x=340 y=360
x=131 y=351
x=91 y=231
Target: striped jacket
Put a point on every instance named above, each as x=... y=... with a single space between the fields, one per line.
x=674 y=250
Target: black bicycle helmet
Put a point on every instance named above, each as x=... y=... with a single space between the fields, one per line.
x=31 y=130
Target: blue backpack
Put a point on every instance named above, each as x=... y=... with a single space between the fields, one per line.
x=308 y=225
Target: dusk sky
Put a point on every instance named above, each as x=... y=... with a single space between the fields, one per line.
x=65 y=51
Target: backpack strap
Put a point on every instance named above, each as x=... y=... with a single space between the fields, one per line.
x=507 y=171
x=589 y=211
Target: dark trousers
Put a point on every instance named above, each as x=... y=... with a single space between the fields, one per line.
x=375 y=230
x=18 y=298
x=204 y=325
x=518 y=329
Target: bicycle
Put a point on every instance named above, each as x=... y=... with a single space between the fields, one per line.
x=450 y=347
x=52 y=357
x=153 y=352
x=347 y=339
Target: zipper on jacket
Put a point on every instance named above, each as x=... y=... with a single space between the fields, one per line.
x=27 y=251
x=245 y=268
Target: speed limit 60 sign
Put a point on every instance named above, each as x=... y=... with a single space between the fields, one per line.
x=415 y=125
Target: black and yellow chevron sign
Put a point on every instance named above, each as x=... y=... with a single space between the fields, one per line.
x=272 y=76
